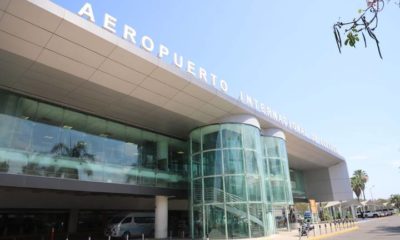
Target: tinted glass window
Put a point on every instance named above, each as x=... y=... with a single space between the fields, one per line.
x=144 y=219
x=127 y=220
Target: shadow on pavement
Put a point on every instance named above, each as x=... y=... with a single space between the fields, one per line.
x=387 y=230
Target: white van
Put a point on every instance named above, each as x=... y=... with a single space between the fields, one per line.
x=130 y=224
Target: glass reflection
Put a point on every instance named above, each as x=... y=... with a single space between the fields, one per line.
x=232 y=196
x=41 y=139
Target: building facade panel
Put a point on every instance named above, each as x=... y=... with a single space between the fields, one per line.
x=69 y=118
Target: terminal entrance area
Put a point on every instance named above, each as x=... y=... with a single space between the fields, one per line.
x=50 y=215
x=54 y=224
x=26 y=223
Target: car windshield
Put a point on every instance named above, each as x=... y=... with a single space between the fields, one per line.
x=117 y=219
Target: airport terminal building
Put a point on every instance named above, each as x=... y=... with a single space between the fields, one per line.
x=94 y=122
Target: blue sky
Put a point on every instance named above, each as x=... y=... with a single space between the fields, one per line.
x=283 y=53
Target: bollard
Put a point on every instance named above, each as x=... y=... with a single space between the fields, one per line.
x=319 y=229
x=326 y=231
x=314 y=231
x=142 y=236
x=330 y=225
x=89 y=238
x=109 y=237
x=52 y=234
x=66 y=238
x=170 y=234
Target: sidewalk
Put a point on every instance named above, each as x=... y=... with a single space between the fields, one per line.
x=320 y=231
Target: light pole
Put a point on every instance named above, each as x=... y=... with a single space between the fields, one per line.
x=370 y=190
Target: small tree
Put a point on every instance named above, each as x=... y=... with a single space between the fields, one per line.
x=395 y=200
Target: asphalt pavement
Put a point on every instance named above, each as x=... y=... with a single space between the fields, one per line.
x=385 y=228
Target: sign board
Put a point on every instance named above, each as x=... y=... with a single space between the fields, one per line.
x=313 y=206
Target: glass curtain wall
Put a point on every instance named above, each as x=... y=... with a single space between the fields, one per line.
x=278 y=178
x=297 y=183
x=228 y=200
x=42 y=139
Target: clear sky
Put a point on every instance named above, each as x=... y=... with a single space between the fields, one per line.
x=283 y=53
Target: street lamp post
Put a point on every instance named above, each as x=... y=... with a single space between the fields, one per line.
x=370 y=190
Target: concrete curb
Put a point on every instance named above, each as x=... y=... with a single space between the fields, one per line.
x=334 y=234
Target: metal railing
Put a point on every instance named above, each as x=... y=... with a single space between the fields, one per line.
x=326 y=227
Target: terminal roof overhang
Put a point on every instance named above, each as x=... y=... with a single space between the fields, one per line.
x=50 y=53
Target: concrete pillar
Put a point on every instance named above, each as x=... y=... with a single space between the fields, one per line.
x=162 y=154
x=161 y=218
x=353 y=211
x=73 y=220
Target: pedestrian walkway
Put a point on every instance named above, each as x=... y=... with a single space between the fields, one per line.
x=320 y=231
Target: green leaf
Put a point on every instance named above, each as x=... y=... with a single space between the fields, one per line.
x=360 y=11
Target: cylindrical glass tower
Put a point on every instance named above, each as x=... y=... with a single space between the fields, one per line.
x=228 y=197
x=278 y=176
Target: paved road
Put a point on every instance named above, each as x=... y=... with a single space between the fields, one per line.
x=386 y=228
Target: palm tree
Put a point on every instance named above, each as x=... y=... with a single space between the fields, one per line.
x=356 y=185
x=77 y=152
x=362 y=176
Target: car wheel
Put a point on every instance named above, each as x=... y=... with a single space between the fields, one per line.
x=126 y=236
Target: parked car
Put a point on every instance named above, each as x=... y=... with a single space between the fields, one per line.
x=371 y=214
x=392 y=211
x=388 y=212
x=381 y=213
x=130 y=224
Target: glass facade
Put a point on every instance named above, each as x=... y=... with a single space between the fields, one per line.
x=297 y=182
x=42 y=139
x=278 y=179
x=275 y=158
x=240 y=184
x=228 y=197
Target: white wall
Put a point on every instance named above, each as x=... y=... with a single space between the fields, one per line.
x=340 y=182
x=328 y=184
x=318 y=185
